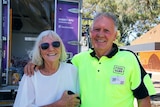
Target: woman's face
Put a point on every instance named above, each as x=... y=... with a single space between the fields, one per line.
x=51 y=51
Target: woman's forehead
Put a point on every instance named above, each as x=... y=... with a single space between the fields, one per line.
x=49 y=37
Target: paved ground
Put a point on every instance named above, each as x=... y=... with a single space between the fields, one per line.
x=156 y=99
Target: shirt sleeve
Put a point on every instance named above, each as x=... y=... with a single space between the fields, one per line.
x=149 y=84
x=25 y=95
x=142 y=84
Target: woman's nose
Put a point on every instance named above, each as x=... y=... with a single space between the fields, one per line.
x=51 y=47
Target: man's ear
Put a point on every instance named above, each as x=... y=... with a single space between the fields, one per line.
x=115 y=35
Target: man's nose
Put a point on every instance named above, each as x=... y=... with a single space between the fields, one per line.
x=101 y=33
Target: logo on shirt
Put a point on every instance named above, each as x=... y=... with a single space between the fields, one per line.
x=118 y=69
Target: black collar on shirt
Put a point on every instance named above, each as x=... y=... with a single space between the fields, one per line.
x=113 y=51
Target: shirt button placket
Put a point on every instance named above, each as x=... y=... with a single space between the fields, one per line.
x=99 y=65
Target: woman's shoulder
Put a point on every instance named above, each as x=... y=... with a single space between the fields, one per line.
x=65 y=65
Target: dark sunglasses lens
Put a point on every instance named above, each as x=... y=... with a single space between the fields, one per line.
x=56 y=44
x=44 y=46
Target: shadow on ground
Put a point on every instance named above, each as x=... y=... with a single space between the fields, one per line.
x=156 y=97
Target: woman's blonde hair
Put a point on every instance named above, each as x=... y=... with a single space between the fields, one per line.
x=35 y=55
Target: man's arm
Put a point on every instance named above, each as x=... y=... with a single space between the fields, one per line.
x=30 y=68
x=145 y=102
x=66 y=101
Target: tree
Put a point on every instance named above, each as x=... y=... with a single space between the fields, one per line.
x=136 y=17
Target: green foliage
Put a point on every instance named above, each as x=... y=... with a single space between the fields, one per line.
x=134 y=15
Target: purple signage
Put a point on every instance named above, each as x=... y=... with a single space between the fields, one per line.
x=4 y=39
x=67 y=25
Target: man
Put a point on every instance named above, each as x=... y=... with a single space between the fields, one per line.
x=109 y=76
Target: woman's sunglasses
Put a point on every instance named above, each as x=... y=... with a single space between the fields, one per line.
x=55 y=44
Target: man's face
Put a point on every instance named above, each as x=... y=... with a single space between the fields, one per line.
x=103 y=34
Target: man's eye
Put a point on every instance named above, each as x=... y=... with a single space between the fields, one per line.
x=96 y=29
x=106 y=30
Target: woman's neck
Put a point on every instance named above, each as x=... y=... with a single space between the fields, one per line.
x=50 y=69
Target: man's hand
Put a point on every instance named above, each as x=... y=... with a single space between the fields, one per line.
x=70 y=100
x=66 y=101
x=30 y=68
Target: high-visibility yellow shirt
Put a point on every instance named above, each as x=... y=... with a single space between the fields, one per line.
x=113 y=80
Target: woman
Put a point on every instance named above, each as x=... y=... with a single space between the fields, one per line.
x=48 y=86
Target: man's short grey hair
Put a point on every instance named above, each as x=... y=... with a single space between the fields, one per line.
x=35 y=55
x=109 y=15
